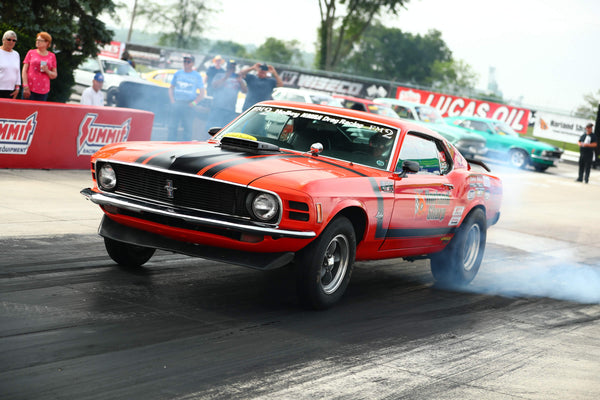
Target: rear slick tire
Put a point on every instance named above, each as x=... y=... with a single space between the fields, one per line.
x=457 y=265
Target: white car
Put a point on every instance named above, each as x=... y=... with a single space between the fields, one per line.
x=305 y=96
x=114 y=70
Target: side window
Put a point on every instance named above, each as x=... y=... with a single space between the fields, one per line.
x=404 y=112
x=480 y=126
x=425 y=151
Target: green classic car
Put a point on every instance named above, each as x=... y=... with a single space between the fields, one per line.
x=504 y=143
x=470 y=145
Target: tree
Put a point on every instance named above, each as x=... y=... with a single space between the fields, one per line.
x=279 y=51
x=338 y=34
x=390 y=54
x=590 y=109
x=228 y=48
x=453 y=76
x=182 y=20
x=74 y=26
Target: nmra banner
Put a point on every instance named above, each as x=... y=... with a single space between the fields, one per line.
x=452 y=106
x=559 y=127
x=47 y=135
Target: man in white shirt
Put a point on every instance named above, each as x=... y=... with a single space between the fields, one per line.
x=93 y=95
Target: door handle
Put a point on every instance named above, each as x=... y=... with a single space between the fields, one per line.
x=449 y=185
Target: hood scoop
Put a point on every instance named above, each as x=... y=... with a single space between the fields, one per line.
x=247 y=145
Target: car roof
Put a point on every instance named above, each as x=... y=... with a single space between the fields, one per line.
x=400 y=102
x=354 y=99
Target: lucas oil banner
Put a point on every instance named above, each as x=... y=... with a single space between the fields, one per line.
x=63 y=136
x=452 y=106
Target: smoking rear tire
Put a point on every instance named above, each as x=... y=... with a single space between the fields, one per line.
x=112 y=97
x=324 y=267
x=128 y=255
x=518 y=158
x=457 y=265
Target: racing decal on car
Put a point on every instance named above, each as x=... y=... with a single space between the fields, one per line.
x=16 y=135
x=456 y=215
x=93 y=136
x=431 y=205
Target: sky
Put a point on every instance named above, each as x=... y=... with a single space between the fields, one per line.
x=545 y=52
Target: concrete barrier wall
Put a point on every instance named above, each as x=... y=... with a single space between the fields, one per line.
x=45 y=135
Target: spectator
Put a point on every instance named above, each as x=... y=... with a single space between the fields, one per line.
x=39 y=66
x=260 y=86
x=226 y=87
x=126 y=57
x=213 y=70
x=10 y=65
x=185 y=92
x=93 y=96
x=587 y=144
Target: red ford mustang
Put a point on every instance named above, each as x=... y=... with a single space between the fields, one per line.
x=312 y=185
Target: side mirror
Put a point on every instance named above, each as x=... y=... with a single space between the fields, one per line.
x=409 y=166
x=214 y=131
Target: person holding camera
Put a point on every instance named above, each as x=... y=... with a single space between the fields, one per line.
x=39 y=66
x=587 y=145
x=260 y=85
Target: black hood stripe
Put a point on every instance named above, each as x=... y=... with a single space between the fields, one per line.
x=212 y=159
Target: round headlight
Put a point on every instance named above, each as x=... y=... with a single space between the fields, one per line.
x=265 y=207
x=107 y=178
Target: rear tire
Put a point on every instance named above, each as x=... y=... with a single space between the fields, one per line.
x=324 y=267
x=457 y=265
x=128 y=255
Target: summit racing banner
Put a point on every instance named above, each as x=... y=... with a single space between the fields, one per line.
x=452 y=106
x=50 y=135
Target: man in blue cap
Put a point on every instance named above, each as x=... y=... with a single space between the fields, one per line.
x=93 y=96
x=186 y=91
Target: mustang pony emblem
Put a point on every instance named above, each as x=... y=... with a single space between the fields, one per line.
x=170 y=189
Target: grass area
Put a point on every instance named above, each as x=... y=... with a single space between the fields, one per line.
x=557 y=143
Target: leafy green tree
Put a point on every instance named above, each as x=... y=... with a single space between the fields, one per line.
x=183 y=21
x=338 y=33
x=390 y=54
x=279 y=51
x=228 y=48
x=74 y=26
x=590 y=109
x=454 y=76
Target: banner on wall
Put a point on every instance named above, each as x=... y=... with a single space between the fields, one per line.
x=559 y=127
x=45 y=135
x=452 y=106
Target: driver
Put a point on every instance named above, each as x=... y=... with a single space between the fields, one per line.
x=380 y=145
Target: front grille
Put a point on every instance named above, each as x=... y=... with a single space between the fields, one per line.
x=553 y=154
x=187 y=191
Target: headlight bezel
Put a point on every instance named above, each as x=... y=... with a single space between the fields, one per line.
x=106 y=177
x=264 y=207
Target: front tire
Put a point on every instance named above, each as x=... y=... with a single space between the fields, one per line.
x=518 y=158
x=128 y=255
x=324 y=267
x=457 y=265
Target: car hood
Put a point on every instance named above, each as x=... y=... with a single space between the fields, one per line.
x=211 y=161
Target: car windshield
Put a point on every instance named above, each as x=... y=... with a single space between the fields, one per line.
x=502 y=128
x=429 y=114
x=111 y=67
x=382 y=110
x=353 y=140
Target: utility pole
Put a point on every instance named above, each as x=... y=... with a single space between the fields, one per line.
x=131 y=23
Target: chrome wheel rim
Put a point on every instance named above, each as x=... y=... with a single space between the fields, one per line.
x=472 y=242
x=335 y=264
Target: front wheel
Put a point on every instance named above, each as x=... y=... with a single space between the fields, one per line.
x=324 y=267
x=540 y=167
x=128 y=255
x=518 y=158
x=459 y=262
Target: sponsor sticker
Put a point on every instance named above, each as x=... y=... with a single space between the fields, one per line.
x=92 y=136
x=16 y=135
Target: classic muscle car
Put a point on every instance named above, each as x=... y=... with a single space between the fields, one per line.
x=315 y=186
